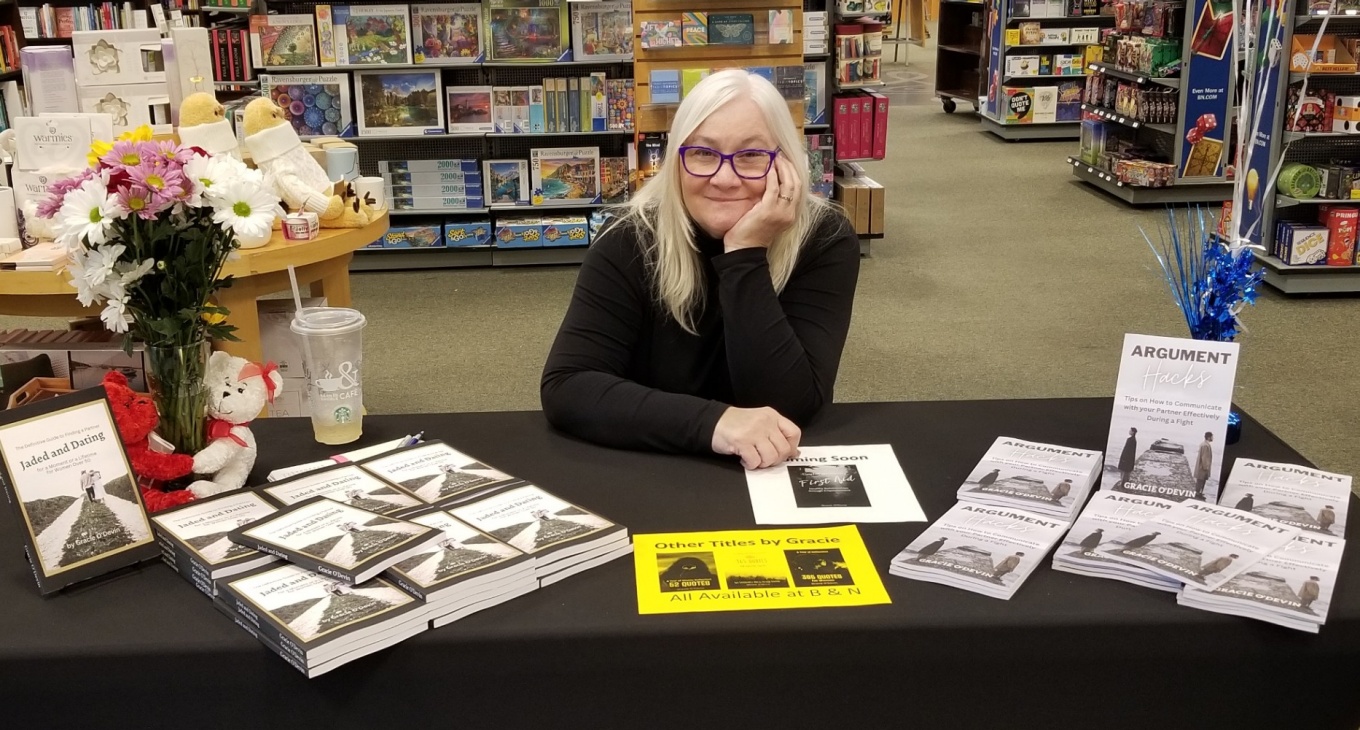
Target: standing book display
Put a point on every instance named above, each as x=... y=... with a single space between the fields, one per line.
x=66 y=474
x=447 y=34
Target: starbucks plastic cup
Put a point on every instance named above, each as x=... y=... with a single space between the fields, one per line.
x=332 y=361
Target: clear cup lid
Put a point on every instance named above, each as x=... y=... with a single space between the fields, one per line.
x=327 y=321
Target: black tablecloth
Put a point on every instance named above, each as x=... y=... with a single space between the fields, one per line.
x=1067 y=651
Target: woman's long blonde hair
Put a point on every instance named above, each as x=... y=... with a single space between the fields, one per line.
x=657 y=211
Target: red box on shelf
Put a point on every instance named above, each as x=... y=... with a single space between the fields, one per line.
x=880 y=146
x=1341 y=225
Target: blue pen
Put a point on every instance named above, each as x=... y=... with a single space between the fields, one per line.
x=413 y=440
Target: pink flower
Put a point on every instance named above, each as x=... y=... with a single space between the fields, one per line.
x=141 y=201
x=57 y=192
x=172 y=152
x=166 y=183
x=124 y=154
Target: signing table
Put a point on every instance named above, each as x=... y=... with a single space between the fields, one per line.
x=148 y=650
x=322 y=262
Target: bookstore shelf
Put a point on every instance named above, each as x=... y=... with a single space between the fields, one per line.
x=1108 y=69
x=396 y=259
x=1185 y=192
x=1308 y=279
x=1113 y=116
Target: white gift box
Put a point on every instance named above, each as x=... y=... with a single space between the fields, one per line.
x=106 y=57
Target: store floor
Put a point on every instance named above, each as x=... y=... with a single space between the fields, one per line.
x=1000 y=277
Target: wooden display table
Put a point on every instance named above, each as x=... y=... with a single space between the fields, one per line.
x=322 y=263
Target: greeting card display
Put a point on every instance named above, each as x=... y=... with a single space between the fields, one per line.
x=399 y=103
x=531 y=31
x=447 y=34
x=315 y=104
x=63 y=468
x=372 y=35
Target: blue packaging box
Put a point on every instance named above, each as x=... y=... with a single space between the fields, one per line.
x=425 y=235
x=519 y=233
x=566 y=230
x=464 y=234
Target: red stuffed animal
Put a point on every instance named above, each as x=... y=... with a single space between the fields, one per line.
x=136 y=417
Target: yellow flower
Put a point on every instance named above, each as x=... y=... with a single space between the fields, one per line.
x=140 y=134
x=98 y=150
x=213 y=317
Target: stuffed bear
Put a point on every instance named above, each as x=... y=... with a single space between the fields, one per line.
x=237 y=391
x=136 y=417
x=292 y=172
x=203 y=124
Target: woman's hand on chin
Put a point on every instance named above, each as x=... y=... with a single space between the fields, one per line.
x=760 y=436
x=776 y=211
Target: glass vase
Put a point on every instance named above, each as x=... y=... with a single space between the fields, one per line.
x=175 y=378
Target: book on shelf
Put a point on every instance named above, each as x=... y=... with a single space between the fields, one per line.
x=1106 y=515
x=594 y=102
x=325 y=35
x=1310 y=499
x=519 y=109
x=527 y=31
x=283 y=40
x=731 y=29
x=315 y=103
x=980 y=548
x=335 y=539
x=651 y=151
x=563 y=538
x=1292 y=586
x=399 y=103
x=507 y=182
x=780 y=30
x=814 y=93
x=194 y=538
x=317 y=623
x=448 y=33
x=437 y=473
x=502 y=110
x=664 y=85
x=602 y=31
x=537 y=122
x=568 y=175
x=1200 y=544
x=345 y=483
x=371 y=35
x=658 y=34
x=694 y=29
x=1042 y=478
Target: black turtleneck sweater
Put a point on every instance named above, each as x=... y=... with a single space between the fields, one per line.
x=623 y=373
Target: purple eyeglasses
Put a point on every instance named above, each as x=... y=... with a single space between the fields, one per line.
x=747 y=164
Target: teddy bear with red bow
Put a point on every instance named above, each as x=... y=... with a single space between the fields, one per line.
x=237 y=391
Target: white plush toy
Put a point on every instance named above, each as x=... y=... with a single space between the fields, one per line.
x=237 y=391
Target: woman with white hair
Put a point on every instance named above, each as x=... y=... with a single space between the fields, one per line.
x=711 y=313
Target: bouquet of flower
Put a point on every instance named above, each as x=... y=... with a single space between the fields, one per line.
x=150 y=225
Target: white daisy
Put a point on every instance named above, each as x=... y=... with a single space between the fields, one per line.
x=99 y=262
x=86 y=292
x=87 y=213
x=245 y=209
x=210 y=175
x=115 y=314
x=127 y=274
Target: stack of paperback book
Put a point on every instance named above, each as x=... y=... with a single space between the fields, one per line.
x=466 y=572
x=1291 y=586
x=987 y=550
x=1109 y=514
x=1041 y=478
x=194 y=538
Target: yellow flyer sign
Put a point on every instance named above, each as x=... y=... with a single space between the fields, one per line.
x=741 y=570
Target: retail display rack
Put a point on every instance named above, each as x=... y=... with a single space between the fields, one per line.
x=1319 y=141
x=958 y=53
x=1184 y=159
x=1022 y=100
